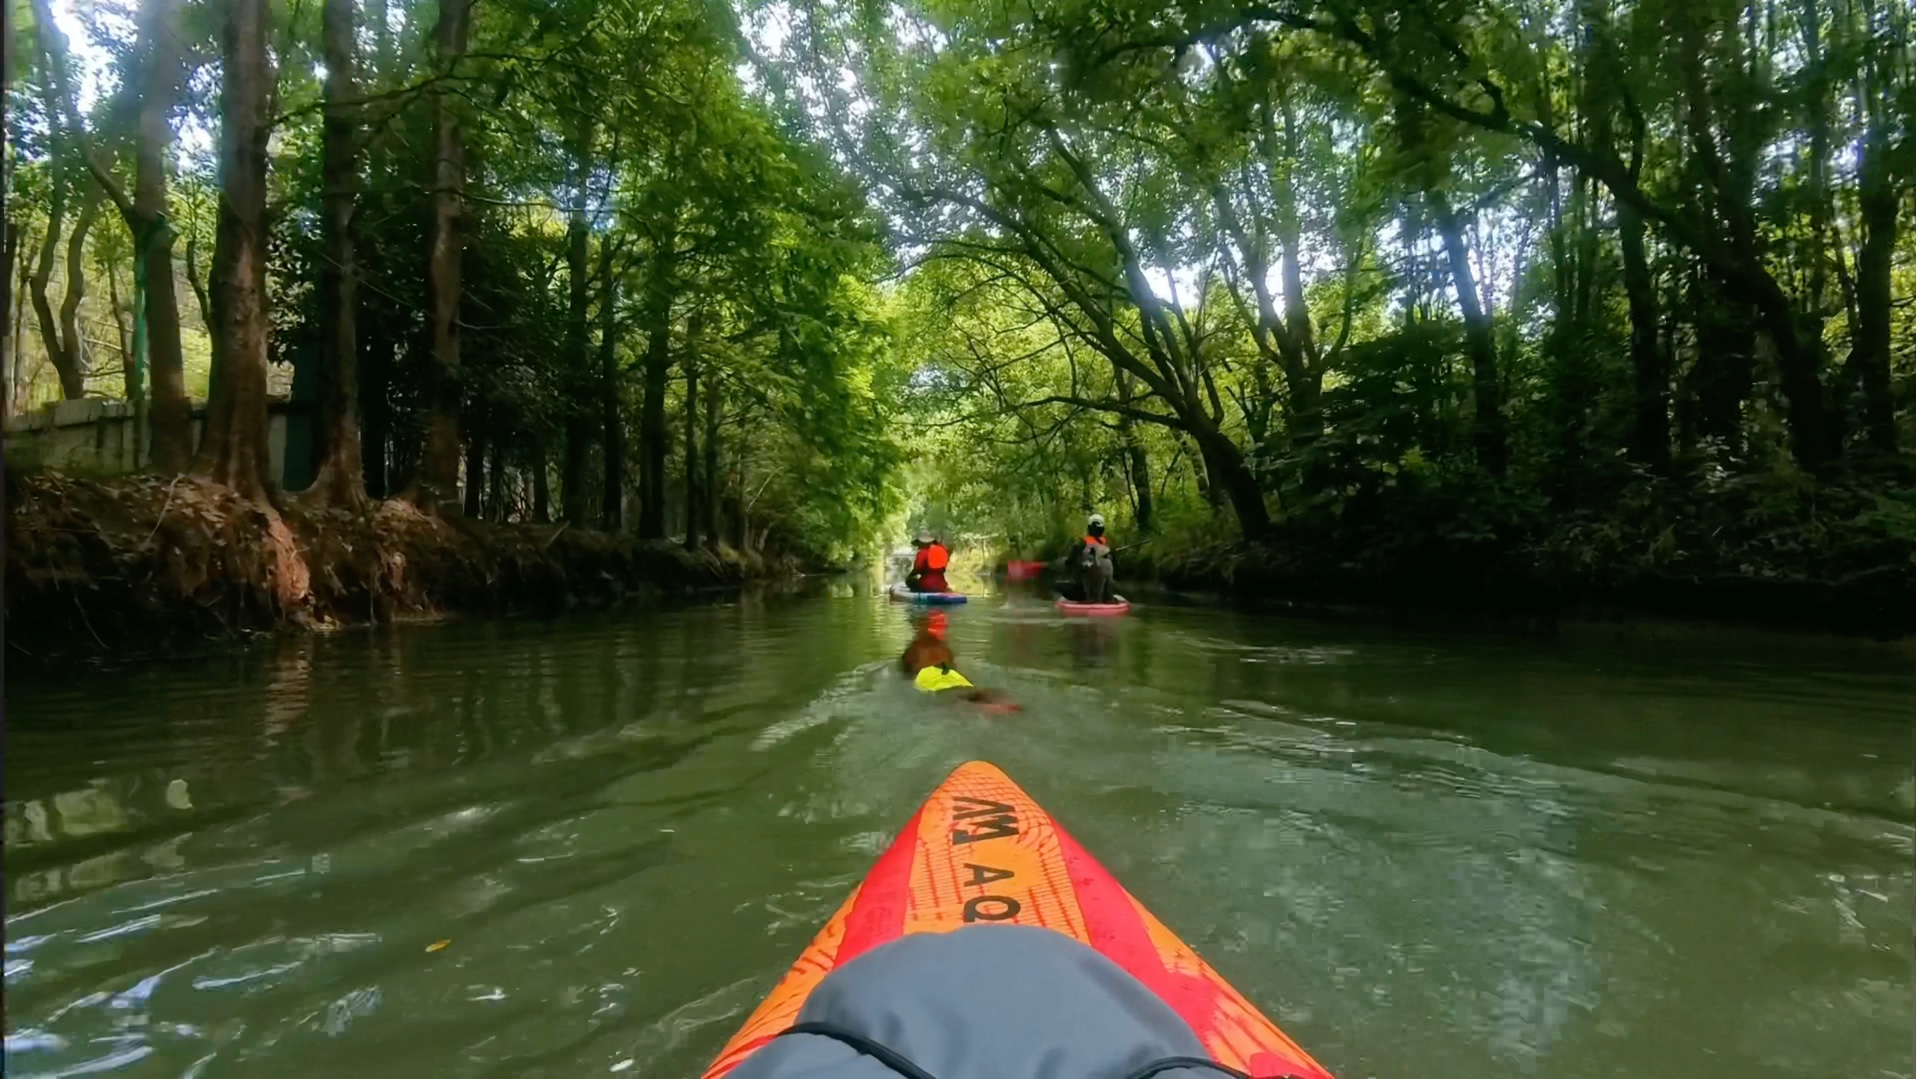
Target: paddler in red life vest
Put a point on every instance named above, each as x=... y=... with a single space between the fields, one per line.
x=1091 y=558
x=928 y=569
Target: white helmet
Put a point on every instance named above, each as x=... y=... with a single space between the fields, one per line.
x=1097 y=521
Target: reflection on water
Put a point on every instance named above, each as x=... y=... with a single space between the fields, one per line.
x=591 y=845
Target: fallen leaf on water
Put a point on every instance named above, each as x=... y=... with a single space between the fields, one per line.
x=437 y=945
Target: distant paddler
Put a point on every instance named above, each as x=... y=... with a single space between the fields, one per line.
x=1090 y=561
x=928 y=569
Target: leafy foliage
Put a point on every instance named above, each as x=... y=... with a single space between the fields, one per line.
x=1578 y=294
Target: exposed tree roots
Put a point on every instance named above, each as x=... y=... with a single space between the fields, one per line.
x=138 y=564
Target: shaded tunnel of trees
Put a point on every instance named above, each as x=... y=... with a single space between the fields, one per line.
x=1622 y=286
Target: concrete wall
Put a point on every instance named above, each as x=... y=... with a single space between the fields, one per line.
x=97 y=436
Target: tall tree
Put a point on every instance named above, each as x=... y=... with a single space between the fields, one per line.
x=578 y=425
x=234 y=451
x=157 y=77
x=72 y=382
x=14 y=235
x=1885 y=91
x=341 y=476
x=1433 y=175
x=693 y=523
x=72 y=342
x=438 y=477
x=611 y=393
x=157 y=304
x=709 y=491
x=654 y=440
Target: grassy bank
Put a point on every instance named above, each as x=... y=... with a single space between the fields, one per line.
x=136 y=564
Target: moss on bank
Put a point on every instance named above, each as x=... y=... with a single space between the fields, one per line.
x=137 y=564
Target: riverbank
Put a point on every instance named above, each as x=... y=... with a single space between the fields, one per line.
x=137 y=564
x=1783 y=553
x=1876 y=602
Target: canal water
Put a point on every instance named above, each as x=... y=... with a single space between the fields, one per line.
x=590 y=846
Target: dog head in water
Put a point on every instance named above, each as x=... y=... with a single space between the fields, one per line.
x=925 y=650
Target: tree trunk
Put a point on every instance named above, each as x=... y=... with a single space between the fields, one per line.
x=575 y=500
x=1201 y=473
x=578 y=428
x=541 y=488
x=611 y=394
x=1878 y=196
x=475 y=462
x=71 y=385
x=57 y=98
x=1733 y=182
x=16 y=328
x=1232 y=478
x=234 y=451
x=1650 y=439
x=1816 y=97
x=653 y=439
x=1138 y=464
x=445 y=389
x=741 y=505
x=692 y=445
x=144 y=213
x=376 y=415
x=12 y=249
x=1303 y=371
x=341 y=478
x=197 y=283
x=131 y=386
x=172 y=415
x=709 y=490
x=1488 y=428
x=1725 y=368
x=496 y=485
x=71 y=342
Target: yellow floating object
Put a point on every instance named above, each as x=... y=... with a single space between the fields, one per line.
x=933 y=679
x=438 y=945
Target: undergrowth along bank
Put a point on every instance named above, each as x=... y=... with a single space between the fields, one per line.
x=1774 y=549
x=138 y=564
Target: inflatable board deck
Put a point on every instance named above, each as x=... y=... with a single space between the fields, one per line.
x=905 y=595
x=980 y=852
x=1118 y=605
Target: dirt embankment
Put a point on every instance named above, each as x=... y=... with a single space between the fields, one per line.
x=137 y=564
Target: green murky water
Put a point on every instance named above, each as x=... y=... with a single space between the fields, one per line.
x=1425 y=855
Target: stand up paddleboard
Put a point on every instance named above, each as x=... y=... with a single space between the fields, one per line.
x=1118 y=605
x=905 y=595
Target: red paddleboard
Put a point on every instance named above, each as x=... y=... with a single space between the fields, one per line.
x=981 y=850
x=1118 y=605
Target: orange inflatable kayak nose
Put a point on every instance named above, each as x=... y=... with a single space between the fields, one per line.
x=979 y=854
